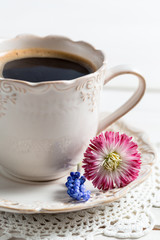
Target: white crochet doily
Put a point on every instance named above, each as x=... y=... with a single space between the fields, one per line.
x=128 y=217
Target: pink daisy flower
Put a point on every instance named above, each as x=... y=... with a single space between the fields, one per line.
x=111 y=160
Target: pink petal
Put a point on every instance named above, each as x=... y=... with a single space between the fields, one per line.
x=95 y=154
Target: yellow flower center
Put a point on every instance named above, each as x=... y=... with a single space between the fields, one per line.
x=112 y=161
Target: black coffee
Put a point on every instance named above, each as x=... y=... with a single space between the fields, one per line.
x=38 y=69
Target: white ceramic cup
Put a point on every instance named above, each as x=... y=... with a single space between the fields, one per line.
x=45 y=127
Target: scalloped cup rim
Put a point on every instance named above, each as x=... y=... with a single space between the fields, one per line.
x=32 y=84
x=66 y=82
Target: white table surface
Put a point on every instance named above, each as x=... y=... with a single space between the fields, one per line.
x=146 y=117
x=127 y=31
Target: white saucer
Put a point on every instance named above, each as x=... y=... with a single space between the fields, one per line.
x=51 y=197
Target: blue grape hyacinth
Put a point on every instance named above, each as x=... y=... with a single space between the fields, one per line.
x=76 y=188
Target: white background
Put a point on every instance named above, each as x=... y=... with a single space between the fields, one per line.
x=128 y=31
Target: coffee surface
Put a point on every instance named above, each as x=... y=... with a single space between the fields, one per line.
x=40 y=69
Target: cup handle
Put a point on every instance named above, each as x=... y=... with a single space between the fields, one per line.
x=106 y=120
